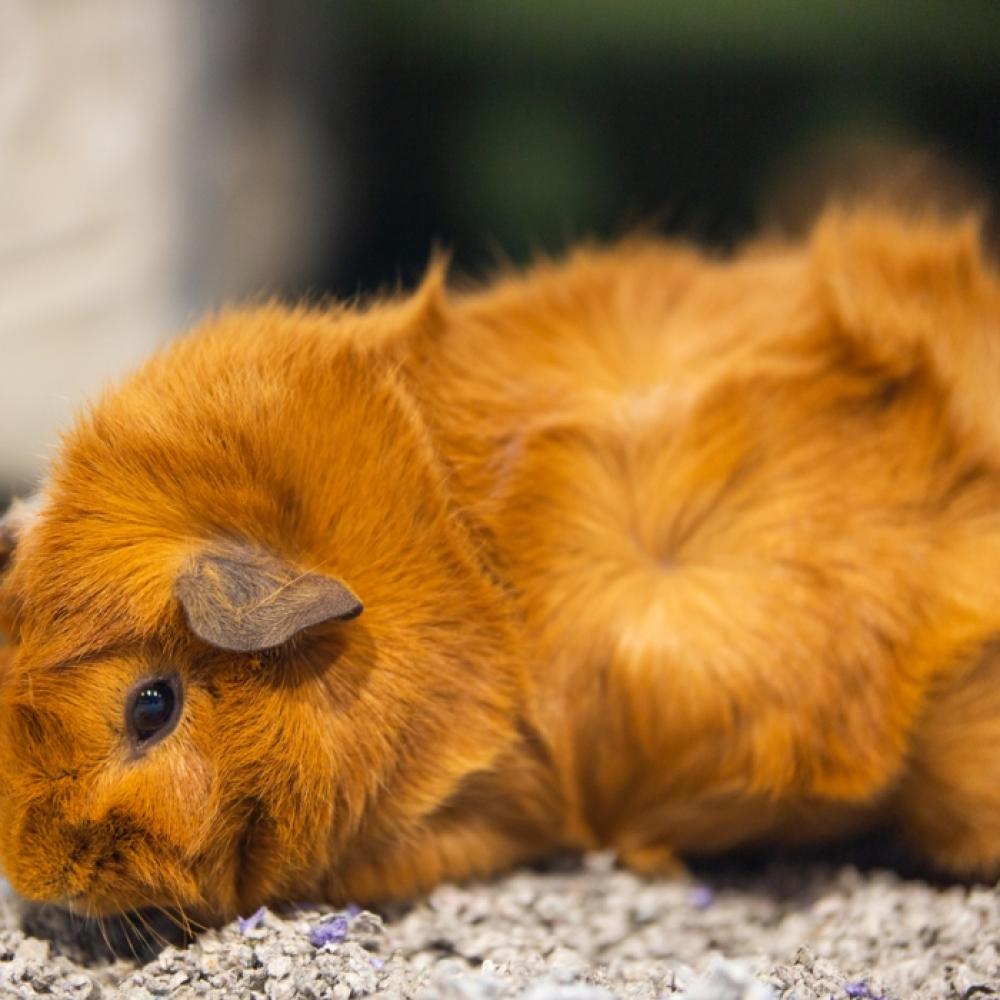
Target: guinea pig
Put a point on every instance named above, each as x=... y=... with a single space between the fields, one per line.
x=642 y=550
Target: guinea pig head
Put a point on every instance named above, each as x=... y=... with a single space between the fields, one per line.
x=248 y=630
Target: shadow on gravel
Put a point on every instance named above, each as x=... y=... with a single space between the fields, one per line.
x=773 y=870
x=91 y=941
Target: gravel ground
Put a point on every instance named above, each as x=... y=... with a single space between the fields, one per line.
x=770 y=929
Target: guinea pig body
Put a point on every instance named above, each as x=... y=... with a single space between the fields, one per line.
x=640 y=550
x=750 y=511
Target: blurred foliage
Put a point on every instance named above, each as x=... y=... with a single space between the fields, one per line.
x=505 y=128
x=837 y=35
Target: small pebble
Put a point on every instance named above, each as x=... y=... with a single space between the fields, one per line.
x=278 y=968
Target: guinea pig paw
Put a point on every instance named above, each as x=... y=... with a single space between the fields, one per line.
x=652 y=860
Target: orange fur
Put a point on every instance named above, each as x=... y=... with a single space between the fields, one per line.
x=656 y=552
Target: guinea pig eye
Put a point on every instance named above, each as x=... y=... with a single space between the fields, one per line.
x=152 y=709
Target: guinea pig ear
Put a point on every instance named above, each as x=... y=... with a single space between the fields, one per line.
x=238 y=598
x=20 y=516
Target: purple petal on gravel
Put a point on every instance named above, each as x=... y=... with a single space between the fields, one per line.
x=378 y=964
x=252 y=922
x=331 y=931
x=352 y=910
x=856 y=989
x=701 y=897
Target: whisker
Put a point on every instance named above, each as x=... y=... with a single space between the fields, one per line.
x=176 y=915
x=179 y=919
x=104 y=933
x=160 y=939
x=176 y=921
x=126 y=923
x=188 y=920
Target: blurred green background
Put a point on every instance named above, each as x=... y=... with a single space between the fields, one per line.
x=508 y=127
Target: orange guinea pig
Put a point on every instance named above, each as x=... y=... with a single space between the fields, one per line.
x=643 y=550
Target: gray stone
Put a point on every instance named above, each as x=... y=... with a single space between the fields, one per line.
x=729 y=981
x=585 y=934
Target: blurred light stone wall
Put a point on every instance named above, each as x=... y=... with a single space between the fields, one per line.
x=146 y=173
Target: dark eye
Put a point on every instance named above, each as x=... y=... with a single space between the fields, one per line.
x=152 y=709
